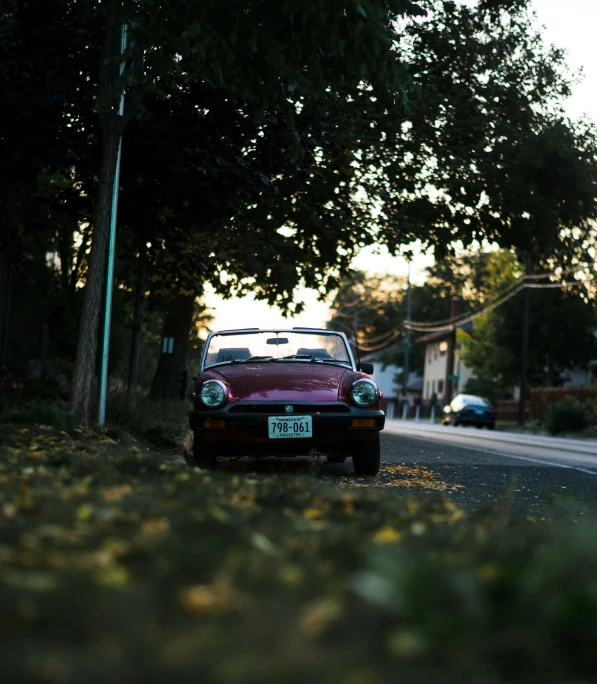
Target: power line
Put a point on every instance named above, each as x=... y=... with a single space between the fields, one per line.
x=448 y=321
x=506 y=296
x=386 y=339
x=514 y=286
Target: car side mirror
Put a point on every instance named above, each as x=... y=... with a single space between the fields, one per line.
x=447 y=409
x=366 y=367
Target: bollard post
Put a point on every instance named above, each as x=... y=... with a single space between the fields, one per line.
x=417 y=412
x=432 y=419
x=404 y=410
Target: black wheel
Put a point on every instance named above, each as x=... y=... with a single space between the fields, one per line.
x=202 y=455
x=491 y=426
x=336 y=458
x=367 y=459
x=455 y=423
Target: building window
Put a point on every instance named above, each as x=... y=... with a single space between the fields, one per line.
x=440 y=386
x=427 y=395
x=429 y=354
x=435 y=351
x=433 y=387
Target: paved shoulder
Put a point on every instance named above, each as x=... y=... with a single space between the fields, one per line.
x=549 y=451
x=487 y=474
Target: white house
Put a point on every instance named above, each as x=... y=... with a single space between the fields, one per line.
x=388 y=377
x=444 y=374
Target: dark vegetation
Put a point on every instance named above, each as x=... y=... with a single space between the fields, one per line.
x=118 y=562
x=567 y=415
x=255 y=160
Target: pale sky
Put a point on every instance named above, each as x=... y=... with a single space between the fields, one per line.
x=569 y=24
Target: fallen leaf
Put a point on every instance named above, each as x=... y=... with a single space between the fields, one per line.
x=155 y=527
x=116 y=493
x=116 y=577
x=318 y=615
x=207 y=598
x=387 y=535
x=314 y=513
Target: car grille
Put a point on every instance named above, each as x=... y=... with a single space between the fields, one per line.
x=278 y=409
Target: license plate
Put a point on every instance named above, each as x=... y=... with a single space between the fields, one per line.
x=289 y=427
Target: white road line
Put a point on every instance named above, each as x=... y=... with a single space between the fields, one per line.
x=551 y=463
x=555 y=443
x=527 y=458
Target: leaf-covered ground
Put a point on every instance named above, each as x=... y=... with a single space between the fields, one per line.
x=120 y=563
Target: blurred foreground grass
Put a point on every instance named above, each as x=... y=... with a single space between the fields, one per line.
x=119 y=563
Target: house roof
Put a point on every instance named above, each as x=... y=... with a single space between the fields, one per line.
x=467 y=326
x=415 y=385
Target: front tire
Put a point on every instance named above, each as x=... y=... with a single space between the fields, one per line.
x=202 y=455
x=367 y=460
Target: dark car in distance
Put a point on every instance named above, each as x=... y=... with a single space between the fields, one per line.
x=285 y=392
x=467 y=409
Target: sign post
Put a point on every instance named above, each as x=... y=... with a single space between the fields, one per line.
x=101 y=415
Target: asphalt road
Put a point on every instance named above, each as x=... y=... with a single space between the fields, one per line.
x=487 y=463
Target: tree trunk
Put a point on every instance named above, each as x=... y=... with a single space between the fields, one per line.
x=112 y=125
x=136 y=341
x=169 y=381
x=94 y=286
x=550 y=367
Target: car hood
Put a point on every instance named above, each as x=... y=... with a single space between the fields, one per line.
x=283 y=381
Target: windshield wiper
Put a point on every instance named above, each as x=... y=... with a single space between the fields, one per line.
x=257 y=358
x=295 y=356
x=346 y=363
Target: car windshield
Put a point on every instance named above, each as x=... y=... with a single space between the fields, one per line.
x=475 y=401
x=277 y=346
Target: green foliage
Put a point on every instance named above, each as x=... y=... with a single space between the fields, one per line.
x=566 y=415
x=483 y=387
x=101 y=537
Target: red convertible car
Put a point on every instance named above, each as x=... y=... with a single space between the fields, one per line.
x=285 y=393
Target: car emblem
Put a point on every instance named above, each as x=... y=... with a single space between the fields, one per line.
x=289 y=409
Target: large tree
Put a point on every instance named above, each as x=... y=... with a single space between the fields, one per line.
x=259 y=52
x=323 y=154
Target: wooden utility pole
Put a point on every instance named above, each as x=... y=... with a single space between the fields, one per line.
x=454 y=312
x=526 y=320
x=407 y=340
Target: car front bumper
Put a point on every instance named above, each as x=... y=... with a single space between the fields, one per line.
x=247 y=431
x=475 y=419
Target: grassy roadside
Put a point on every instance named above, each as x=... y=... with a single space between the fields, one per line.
x=120 y=563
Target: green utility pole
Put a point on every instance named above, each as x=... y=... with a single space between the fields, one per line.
x=101 y=414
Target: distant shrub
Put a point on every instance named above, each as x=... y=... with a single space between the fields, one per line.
x=566 y=415
x=163 y=423
x=38 y=412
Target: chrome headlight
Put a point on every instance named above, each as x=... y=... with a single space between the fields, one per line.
x=213 y=393
x=364 y=393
